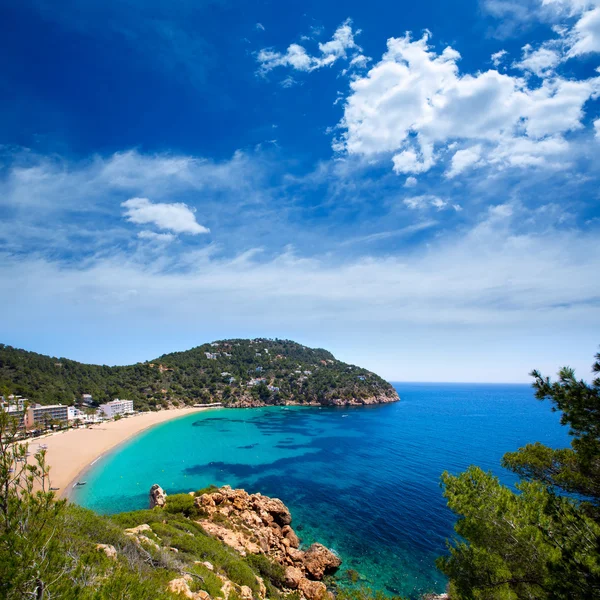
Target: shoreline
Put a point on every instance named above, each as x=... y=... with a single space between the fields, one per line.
x=72 y=453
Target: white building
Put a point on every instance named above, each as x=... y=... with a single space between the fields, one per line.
x=74 y=414
x=116 y=407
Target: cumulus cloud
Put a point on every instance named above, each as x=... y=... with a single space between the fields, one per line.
x=498 y=57
x=541 y=61
x=585 y=35
x=297 y=57
x=415 y=102
x=597 y=128
x=176 y=217
x=463 y=159
x=410 y=182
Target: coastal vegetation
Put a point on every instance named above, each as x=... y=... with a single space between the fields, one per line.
x=541 y=540
x=235 y=372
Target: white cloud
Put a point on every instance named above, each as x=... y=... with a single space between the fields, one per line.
x=53 y=183
x=541 y=62
x=425 y=201
x=297 y=57
x=410 y=182
x=176 y=217
x=488 y=274
x=585 y=35
x=152 y=236
x=415 y=101
x=597 y=128
x=581 y=34
x=501 y=210
x=409 y=161
x=260 y=27
x=498 y=57
x=463 y=159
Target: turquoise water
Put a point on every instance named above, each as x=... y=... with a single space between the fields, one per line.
x=364 y=481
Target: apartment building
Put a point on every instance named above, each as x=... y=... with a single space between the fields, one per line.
x=116 y=407
x=42 y=415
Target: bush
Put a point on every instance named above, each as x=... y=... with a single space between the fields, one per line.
x=268 y=569
x=207 y=490
x=181 y=503
x=137 y=517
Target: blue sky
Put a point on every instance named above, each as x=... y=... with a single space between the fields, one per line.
x=413 y=186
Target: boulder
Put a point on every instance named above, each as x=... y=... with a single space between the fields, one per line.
x=295 y=554
x=319 y=560
x=144 y=539
x=245 y=592
x=180 y=586
x=157 y=496
x=293 y=576
x=109 y=550
x=291 y=536
x=274 y=507
x=312 y=590
x=137 y=530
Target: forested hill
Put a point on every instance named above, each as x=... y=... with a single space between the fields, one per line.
x=235 y=372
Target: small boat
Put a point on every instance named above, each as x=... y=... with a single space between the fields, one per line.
x=79 y=483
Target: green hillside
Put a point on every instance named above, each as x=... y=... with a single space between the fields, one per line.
x=236 y=372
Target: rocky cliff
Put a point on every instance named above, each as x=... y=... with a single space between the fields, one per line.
x=252 y=525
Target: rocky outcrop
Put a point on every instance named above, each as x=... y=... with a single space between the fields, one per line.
x=181 y=587
x=108 y=549
x=319 y=560
x=313 y=590
x=137 y=534
x=157 y=496
x=257 y=524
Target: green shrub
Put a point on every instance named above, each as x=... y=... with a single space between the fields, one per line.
x=138 y=517
x=181 y=503
x=206 y=490
x=268 y=569
x=210 y=582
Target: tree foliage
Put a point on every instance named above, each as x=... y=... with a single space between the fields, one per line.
x=226 y=371
x=30 y=557
x=542 y=541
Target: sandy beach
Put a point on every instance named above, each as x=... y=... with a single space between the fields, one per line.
x=73 y=451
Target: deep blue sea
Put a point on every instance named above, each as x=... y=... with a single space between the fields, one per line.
x=363 y=481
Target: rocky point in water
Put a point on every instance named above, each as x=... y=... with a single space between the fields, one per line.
x=257 y=524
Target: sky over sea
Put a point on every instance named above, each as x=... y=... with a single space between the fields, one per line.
x=412 y=185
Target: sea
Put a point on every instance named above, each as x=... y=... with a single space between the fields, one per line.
x=364 y=481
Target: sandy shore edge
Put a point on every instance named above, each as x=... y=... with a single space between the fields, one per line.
x=71 y=453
